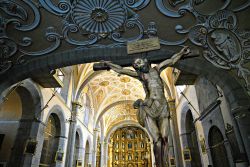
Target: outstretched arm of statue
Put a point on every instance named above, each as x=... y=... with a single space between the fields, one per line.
x=174 y=58
x=117 y=68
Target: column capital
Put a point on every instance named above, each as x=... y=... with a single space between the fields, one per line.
x=76 y=103
x=171 y=100
x=171 y=104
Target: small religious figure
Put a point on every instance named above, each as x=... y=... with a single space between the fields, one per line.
x=142 y=145
x=129 y=157
x=153 y=112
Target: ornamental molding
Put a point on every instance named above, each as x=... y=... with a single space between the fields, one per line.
x=30 y=29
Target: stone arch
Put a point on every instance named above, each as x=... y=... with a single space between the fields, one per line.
x=51 y=141
x=30 y=126
x=184 y=110
x=235 y=94
x=108 y=107
x=87 y=80
x=120 y=125
x=79 y=131
x=73 y=57
x=217 y=147
x=102 y=130
x=78 y=150
x=88 y=145
x=50 y=62
x=57 y=112
x=123 y=124
x=189 y=140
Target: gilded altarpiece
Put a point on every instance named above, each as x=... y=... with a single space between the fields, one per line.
x=129 y=147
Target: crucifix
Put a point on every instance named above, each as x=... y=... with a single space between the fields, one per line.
x=153 y=111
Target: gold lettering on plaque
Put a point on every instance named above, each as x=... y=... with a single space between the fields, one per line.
x=144 y=45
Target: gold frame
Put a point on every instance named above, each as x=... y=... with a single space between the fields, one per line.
x=28 y=144
x=187 y=150
x=172 y=159
x=56 y=157
x=79 y=163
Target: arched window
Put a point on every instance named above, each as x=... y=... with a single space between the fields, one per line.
x=51 y=141
x=218 y=150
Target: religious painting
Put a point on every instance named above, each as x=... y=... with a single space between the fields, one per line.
x=187 y=155
x=136 y=155
x=142 y=145
x=116 y=156
x=79 y=163
x=116 y=145
x=59 y=156
x=30 y=147
x=129 y=145
x=172 y=161
x=142 y=155
x=129 y=157
x=135 y=145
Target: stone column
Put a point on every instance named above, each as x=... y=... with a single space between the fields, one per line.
x=106 y=154
x=229 y=155
x=95 y=137
x=103 y=155
x=209 y=155
x=63 y=148
x=83 y=156
x=109 y=158
x=242 y=119
x=29 y=129
x=175 y=133
x=171 y=144
x=72 y=134
x=152 y=153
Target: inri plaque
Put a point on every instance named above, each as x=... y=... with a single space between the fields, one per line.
x=144 y=45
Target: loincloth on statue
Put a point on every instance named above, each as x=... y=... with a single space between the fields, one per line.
x=153 y=108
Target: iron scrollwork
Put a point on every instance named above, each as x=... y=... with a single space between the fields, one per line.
x=85 y=23
x=226 y=47
x=217 y=32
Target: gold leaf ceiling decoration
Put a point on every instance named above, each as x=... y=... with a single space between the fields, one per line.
x=112 y=94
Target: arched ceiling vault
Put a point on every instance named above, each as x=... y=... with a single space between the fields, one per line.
x=112 y=94
x=117 y=114
x=109 y=90
x=99 y=117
